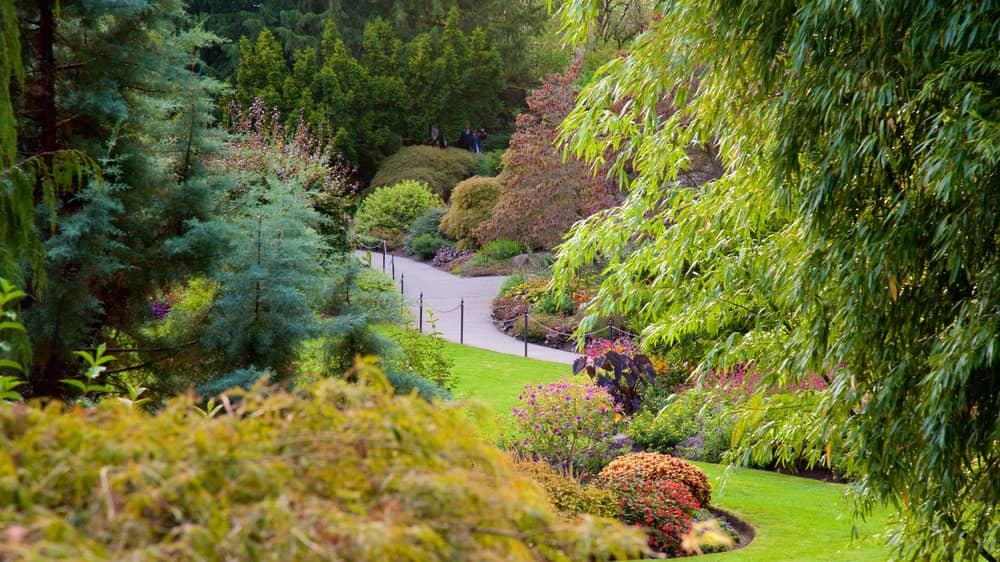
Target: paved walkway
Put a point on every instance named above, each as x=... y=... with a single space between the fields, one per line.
x=442 y=294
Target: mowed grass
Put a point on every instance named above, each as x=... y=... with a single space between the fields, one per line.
x=496 y=379
x=796 y=519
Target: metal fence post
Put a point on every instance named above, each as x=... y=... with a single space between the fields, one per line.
x=461 y=322
x=525 y=333
x=401 y=291
x=394 y=268
x=383 y=256
x=420 y=322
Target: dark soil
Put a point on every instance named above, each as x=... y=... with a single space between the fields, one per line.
x=745 y=530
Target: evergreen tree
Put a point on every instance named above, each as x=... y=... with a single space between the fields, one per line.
x=262 y=72
x=117 y=82
x=269 y=279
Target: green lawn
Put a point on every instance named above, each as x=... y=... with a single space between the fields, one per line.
x=796 y=519
x=497 y=378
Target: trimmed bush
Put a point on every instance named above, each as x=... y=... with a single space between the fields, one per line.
x=471 y=203
x=426 y=246
x=389 y=212
x=336 y=471
x=566 y=494
x=664 y=508
x=441 y=169
x=657 y=466
x=571 y=426
x=498 y=250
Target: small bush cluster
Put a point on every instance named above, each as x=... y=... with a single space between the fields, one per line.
x=389 y=212
x=657 y=466
x=448 y=254
x=423 y=238
x=423 y=354
x=664 y=508
x=569 y=496
x=497 y=250
x=340 y=471
x=472 y=201
x=692 y=424
x=573 y=427
x=439 y=169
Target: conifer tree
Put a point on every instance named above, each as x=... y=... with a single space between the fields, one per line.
x=119 y=83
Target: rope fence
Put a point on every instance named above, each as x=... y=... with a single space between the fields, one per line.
x=612 y=332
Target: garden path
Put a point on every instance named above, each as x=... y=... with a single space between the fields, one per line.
x=443 y=292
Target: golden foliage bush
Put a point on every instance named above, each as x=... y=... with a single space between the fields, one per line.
x=657 y=466
x=472 y=203
x=441 y=169
x=569 y=496
x=336 y=471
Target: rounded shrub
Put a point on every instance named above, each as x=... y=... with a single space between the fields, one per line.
x=471 y=203
x=497 y=250
x=569 y=496
x=441 y=169
x=664 y=508
x=426 y=245
x=389 y=211
x=336 y=470
x=657 y=466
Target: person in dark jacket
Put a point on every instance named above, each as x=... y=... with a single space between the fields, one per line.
x=437 y=139
x=468 y=139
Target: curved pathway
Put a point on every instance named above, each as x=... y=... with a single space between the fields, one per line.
x=443 y=292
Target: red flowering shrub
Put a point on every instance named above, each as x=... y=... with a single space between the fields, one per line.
x=664 y=508
x=657 y=466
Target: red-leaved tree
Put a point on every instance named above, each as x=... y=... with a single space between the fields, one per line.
x=544 y=195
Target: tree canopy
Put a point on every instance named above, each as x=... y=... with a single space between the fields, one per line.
x=853 y=233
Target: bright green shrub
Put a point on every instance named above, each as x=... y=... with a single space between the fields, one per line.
x=441 y=169
x=567 y=495
x=389 y=212
x=427 y=245
x=337 y=471
x=693 y=425
x=501 y=249
x=422 y=354
x=657 y=466
x=426 y=223
x=472 y=202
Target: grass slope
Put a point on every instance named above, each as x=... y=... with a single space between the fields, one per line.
x=497 y=378
x=796 y=519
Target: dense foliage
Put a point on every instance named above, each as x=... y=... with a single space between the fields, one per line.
x=573 y=427
x=657 y=466
x=442 y=170
x=338 y=470
x=388 y=212
x=544 y=194
x=472 y=201
x=389 y=93
x=568 y=495
x=855 y=226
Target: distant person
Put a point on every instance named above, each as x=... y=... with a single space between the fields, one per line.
x=437 y=138
x=480 y=137
x=468 y=139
